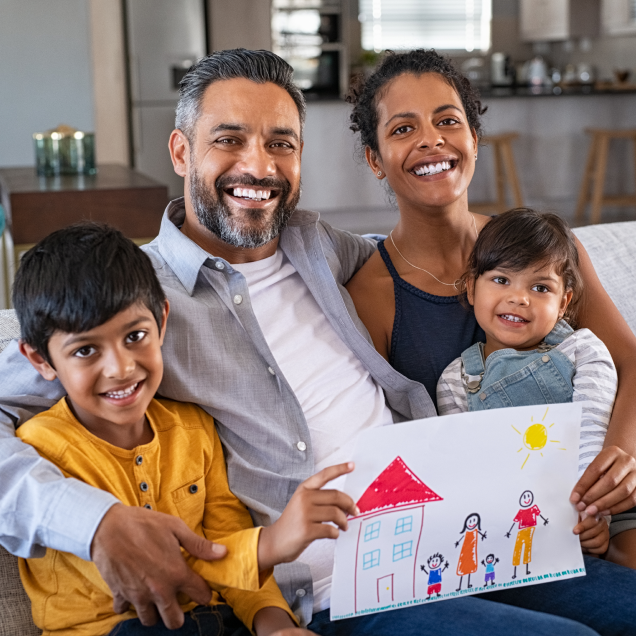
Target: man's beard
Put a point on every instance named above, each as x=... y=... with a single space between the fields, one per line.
x=215 y=215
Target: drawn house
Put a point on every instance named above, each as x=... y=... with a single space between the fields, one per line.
x=390 y=529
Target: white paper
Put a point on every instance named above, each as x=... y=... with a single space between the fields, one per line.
x=419 y=486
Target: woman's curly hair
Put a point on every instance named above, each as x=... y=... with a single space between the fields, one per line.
x=365 y=93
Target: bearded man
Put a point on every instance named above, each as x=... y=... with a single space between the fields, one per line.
x=264 y=337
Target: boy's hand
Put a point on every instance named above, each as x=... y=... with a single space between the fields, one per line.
x=608 y=485
x=593 y=534
x=137 y=552
x=273 y=621
x=306 y=518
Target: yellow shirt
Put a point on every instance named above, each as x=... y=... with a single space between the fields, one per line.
x=180 y=472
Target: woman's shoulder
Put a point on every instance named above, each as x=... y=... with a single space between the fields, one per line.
x=371 y=290
x=371 y=275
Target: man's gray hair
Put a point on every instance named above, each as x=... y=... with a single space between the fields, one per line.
x=257 y=66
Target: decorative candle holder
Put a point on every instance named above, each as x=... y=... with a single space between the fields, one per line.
x=64 y=151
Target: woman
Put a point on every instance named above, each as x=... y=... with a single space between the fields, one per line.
x=468 y=559
x=419 y=122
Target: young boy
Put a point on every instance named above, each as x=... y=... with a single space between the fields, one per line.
x=93 y=316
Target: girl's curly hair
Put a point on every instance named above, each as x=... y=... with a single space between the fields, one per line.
x=365 y=93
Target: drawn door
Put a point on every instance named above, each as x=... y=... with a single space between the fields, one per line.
x=385 y=589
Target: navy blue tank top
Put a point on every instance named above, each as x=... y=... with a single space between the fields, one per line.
x=429 y=332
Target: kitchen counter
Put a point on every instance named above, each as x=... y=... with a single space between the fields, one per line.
x=488 y=92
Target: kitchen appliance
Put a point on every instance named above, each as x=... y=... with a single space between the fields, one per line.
x=538 y=72
x=311 y=35
x=164 y=39
x=501 y=70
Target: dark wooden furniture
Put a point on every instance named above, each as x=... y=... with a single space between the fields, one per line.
x=36 y=206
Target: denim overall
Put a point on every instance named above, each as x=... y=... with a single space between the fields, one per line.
x=519 y=378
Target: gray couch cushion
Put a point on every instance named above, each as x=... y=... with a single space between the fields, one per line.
x=15 y=607
x=612 y=248
x=9 y=327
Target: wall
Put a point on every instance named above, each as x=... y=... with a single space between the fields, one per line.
x=335 y=180
x=45 y=73
x=239 y=23
x=109 y=77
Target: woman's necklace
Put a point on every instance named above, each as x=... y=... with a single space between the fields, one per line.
x=425 y=270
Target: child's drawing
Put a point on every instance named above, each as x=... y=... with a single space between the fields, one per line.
x=535 y=437
x=389 y=532
x=434 y=572
x=527 y=520
x=468 y=560
x=489 y=564
x=414 y=484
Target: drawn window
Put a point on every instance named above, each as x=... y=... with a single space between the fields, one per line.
x=371 y=559
x=402 y=550
x=405 y=524
x=372 y=531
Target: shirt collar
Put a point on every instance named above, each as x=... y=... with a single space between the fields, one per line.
x=184 y=257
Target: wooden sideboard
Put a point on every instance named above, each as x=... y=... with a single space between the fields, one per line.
x=36 y=206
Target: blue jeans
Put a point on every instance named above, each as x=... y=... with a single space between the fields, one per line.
x=203 y=620
x=600 y=603
x=469 y=616
x=603 y=599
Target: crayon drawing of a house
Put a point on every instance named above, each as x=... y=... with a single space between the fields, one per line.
x=391 y=520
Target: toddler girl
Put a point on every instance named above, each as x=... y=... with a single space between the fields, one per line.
x=524 y=284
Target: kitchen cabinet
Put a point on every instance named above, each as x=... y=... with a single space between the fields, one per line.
x=554 y=20
x=618 y=17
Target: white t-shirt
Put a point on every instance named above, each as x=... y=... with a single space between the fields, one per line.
x=336 y=393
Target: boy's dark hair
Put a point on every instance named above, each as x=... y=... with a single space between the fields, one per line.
x=521 y=238
x=78 y=278
x=365 y=93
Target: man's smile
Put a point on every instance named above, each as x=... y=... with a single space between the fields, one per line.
x=250 y=193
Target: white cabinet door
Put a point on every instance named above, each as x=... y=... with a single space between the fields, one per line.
x=545 y=20
x=618 y=16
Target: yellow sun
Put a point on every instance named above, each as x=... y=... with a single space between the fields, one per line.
x=536 y=437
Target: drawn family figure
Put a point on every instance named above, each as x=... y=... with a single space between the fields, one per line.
x=489 y=564
x=434 y=572
x=468 y=562
x=527 y=520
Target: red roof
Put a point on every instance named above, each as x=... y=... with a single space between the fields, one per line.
x=397 y=485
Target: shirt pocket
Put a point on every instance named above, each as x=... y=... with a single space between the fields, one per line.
x=189 y=500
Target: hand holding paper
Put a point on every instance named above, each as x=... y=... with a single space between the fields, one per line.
x=307 y=517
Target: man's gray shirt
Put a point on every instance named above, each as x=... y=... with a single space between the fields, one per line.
x=216 y=356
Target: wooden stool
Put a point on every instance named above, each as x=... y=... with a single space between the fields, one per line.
x=595 y=169
x=505 y=170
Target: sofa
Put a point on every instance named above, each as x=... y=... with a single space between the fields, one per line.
x=612 y=248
